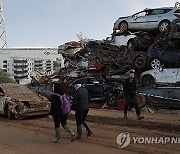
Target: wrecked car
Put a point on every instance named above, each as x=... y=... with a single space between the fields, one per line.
x=134 y=41
x=148 y=19
x=174 y=29
x=160 y=97
x=17 y=101
x=160 y=77
x=142 y=41
x=70 y=49
x=165 y=53
x=99 y=90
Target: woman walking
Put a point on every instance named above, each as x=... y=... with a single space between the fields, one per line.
x=57 y=114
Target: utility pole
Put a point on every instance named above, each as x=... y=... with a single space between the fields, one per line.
x=3 y=40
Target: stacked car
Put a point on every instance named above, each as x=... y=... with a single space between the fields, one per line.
x=147 y=41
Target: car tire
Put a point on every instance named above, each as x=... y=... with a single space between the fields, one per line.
x=67 y=62
x=140 y=62
x=155 y=63
x=163 y=26
x=131 y=45
x=9 y=113
x=123 y=27
x=148 y=80
x=77 y=56
x=142 y=102
x=111 y=99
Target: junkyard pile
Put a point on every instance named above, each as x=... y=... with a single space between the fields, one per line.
x=102 y=65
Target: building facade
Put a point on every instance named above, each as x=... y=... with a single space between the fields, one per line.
x=20 y=68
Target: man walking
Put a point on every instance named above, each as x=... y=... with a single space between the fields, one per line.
x=129 y=90
x=80 y=105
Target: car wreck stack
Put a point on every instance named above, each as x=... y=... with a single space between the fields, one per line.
x=152 y=51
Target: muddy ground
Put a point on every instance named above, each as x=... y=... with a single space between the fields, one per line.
x=33 y=135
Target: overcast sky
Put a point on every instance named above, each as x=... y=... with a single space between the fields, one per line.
x=49 y=23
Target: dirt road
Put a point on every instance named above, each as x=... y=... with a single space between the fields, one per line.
x=33 y=135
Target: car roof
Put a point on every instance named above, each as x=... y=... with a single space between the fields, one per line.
x=159 y=8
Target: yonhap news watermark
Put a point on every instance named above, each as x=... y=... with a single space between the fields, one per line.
x=124 y=139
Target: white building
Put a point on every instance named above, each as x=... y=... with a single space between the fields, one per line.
x=20 y=68
x=20 y=62
x=41 y=53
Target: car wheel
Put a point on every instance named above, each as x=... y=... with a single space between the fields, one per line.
x=67 y=62
x=141 y=100
x=111 y=99
x=148 y=80
x=140 y=62
x=123 y=27
x=10 y=114
x=77 y=56
x=163 y=26
x=155 y=63
x=131 y=45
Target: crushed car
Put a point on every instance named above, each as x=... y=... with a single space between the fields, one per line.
x=70 y=49
x=160 y=77
x=164 y=97
x=17 y=101
x=99 y=90
x=165 y=53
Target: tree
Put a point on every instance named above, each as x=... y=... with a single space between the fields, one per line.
x=5 y=78
x=82 y=39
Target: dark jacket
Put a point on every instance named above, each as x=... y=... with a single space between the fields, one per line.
x=81 y=100
x=129 y=87
x=55 y=105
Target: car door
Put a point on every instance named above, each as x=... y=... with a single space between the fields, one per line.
x=95 y=88
x=137 y=21
x=153 y=17
x=178 y=76
x=176 y=97
x=166 y=76
x=170 y=55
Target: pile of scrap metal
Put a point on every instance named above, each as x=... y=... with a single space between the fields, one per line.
x=17 y=101
x=39 y=77
x=70 y=49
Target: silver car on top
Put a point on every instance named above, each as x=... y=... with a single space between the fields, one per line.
x=148 y=19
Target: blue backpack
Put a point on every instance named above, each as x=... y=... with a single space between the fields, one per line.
x=65 y=103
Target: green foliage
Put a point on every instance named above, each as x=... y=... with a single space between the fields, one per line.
x=5 y=78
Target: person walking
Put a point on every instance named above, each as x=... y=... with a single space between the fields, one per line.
x=129 y=89
x=80 y=105
x=57 y=114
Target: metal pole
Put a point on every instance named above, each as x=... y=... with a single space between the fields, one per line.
x=3 y=43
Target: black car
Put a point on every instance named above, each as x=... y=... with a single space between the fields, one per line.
x=161 y=97
x=99 y=90
x=165 y=53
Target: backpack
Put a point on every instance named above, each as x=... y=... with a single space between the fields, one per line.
x=65 y=103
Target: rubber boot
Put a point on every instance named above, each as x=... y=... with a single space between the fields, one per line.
x=88 y=130
x=70 y=132
x=140 y=117
x=125 y=116
x=79 y=132
x=58 y=135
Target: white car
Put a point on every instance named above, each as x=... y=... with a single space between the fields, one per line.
x=148 y=19
x=163 y=76
x=122 y=39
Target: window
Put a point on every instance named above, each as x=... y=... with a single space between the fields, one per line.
x=157 y=11
x=177 y=11
x=167 y=10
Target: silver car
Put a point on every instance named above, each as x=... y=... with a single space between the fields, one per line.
x=148 y=19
